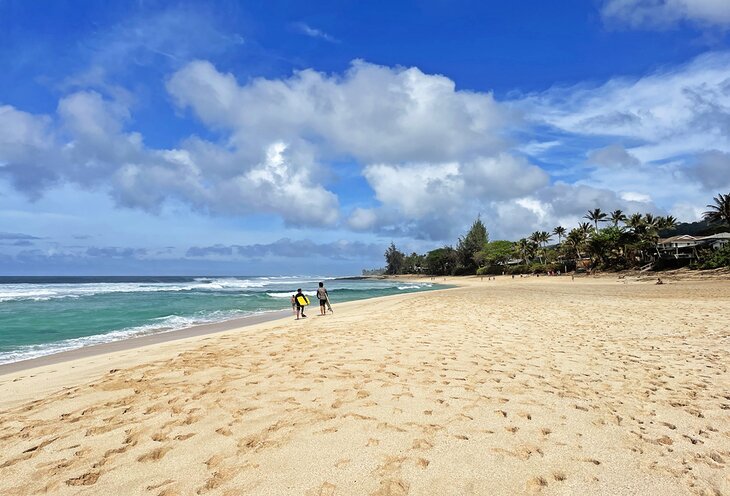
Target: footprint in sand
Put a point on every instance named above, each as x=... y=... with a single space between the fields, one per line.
x=392 y=487
x=422 y=444
x=154 y=455
x=536 y=484
x=87 y=479
x=327 y=489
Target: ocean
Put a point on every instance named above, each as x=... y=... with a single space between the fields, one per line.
x=45 y=315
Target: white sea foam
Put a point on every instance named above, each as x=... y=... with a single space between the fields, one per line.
x=159 y=325
x=289 y=295
x=44 y=292
x=415 y=286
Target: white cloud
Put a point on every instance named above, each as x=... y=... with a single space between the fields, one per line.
x=416 y=190
x=537 y=148
x=665 y=13
x=90 y=147
x=362 y=219
x=434 y=156
x=288 y=189
x=712 y=170
x=314 y=32
x=372 y=113
x=26 y=140
x=685 y=109
x=20 y=129
x=633 y=196
x=612 y=156
x=439 y=198
x=539 y=209
x=674 y=126
x=427 y=149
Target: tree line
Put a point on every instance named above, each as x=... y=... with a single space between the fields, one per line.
x=606 y=241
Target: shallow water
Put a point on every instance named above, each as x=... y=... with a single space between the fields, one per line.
x=40 y=316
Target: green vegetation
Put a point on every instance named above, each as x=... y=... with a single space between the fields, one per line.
x=628 y=241
x=469 y=246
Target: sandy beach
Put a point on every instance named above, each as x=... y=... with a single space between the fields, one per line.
x=514 y=386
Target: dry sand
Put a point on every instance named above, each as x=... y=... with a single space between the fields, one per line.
x=521 y=386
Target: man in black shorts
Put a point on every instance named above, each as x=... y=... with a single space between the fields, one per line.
x=300 y=307
x=322 y=295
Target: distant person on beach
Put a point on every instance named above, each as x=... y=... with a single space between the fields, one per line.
x=300 y=307
x=322 y=295
x=294 y=304
x=659 y=280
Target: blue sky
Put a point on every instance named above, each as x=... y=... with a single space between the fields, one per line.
x=302 y=137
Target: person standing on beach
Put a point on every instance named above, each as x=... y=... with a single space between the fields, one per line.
x=300 y=307
x=294 y=304
x=322 y=295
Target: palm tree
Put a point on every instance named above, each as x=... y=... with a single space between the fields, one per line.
x=545 y=237
x=559 y=232
x=667 y=223
x=719 y=212
x=585 y=228
x=596 y=216
x=635 y=221
x=576 y=239
x=523 y=247
x=617 y=216
x=536 y=238
x=653 y=225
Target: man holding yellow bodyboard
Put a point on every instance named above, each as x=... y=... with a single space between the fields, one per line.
x=302 y=301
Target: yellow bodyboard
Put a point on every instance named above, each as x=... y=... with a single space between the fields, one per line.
x=303 y=301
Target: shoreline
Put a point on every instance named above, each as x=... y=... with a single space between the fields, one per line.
x=142 y=341
x=534 y=385
x=449 y=282
x=152 y=338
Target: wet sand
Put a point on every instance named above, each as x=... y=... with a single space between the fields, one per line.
x=140 y=341
x=521 y=386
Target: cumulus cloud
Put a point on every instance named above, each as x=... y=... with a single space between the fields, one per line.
x=362 y=219
x=26 y=140
x=89 y=146
x=433 y=196
x=433 y=155
x=281 y=136
x=372 y=113
x=612 y=156
x=558 y=204
x=665 y=13
x=565 y=201
x=712 y=170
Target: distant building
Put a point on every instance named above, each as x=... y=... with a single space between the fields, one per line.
x=685 y=246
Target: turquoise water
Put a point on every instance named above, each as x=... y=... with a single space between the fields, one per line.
x=41 y=316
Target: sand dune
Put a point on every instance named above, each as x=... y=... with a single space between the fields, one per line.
x=498 y=387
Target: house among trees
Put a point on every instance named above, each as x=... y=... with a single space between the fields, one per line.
x=685 y=246
x=627 y=242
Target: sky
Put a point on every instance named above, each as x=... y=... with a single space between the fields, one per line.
x=287 y=137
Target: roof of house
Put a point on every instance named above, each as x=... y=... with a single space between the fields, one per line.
x=675 y=239
x=687 y=238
